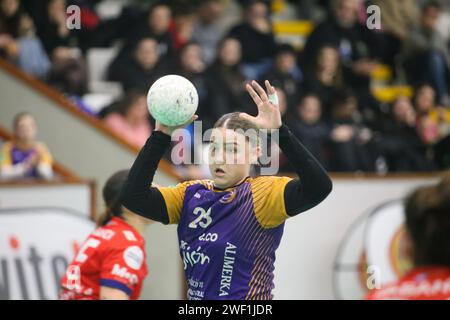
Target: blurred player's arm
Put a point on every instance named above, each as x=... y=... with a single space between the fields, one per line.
x=137 y=194
x=107 y=293
x=314 y=184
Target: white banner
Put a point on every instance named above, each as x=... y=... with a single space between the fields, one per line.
x=36 y=245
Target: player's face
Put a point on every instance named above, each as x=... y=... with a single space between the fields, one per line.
x=230 y=157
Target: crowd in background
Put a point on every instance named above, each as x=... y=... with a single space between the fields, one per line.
x=324 y=89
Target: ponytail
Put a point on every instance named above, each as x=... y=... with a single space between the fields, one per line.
x=111 y=196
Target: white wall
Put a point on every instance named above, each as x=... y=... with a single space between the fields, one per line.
x=71 y=196
x=304 y=265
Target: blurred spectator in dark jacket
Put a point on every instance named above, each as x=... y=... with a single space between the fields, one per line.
x=351 y=141
x=397 y=19
x=401 y=145
x=142 y=69
x=156 y=25
x=357 y=46
x=207 y=32
x=225 y=83
x=256 y=38
x=426 y=54
x=53 y=28
x=285 y=73
x=133 y=26
x=324 y=77
x=307 y=126
x=191 y=66
x=18 y=41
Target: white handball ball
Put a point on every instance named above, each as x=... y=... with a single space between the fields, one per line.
x=172 y=100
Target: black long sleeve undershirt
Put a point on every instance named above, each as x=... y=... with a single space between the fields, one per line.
x=314 y=184
x=299 y=194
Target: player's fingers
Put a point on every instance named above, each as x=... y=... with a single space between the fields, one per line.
x=253 y=94
x=246 y=116
x=270 y=88
x=260 y=91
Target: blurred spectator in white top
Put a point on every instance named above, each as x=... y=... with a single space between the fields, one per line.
x=25 y=157
x=207 y=33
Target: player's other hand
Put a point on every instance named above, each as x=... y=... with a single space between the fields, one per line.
x=169 y=130
x=269 y=116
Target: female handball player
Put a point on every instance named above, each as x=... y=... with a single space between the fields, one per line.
x=111 y=264
x=229 y=227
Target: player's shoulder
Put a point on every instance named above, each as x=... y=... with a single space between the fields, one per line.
x=268 y=180
x=118 y=235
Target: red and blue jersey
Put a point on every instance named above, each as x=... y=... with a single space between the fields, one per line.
x=228 y=238
x=112 y=256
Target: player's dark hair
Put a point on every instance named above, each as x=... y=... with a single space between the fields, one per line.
x=111 y=196
x=234 y=122
x=427 y=212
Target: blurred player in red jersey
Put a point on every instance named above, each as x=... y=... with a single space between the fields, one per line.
x=111 y=264
x=428 y=225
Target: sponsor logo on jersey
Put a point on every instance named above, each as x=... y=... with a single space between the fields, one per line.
x=123 y=272
x=227 y=269
x=192 y=257
x=133 y=257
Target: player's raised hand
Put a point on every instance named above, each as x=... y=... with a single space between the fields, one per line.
x=169 y=130
x=269 y=116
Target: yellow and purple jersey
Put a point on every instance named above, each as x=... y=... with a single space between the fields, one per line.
x=228 y=238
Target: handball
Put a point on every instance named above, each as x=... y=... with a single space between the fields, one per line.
x=172 y=100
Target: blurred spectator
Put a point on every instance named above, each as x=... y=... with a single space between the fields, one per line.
x=285 y=74
x=24 y=157
x=182 y=24
x=142 y=69
x=191 y=66
x=68 y=73
x=401 y=145
x=130 y=119
x=18 y=40
x=53 y=29
x=256 y=38
x=156 y=25
x=225 y=83
x=428 y=239
x=207 y=32
x=357 y=46
x=433 y=122
x=307 y=126
x=351 y=140
x=397 y=19
x=426 y=54
x=324 y=77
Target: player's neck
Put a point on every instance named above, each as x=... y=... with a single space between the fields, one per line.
x=135 y=221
